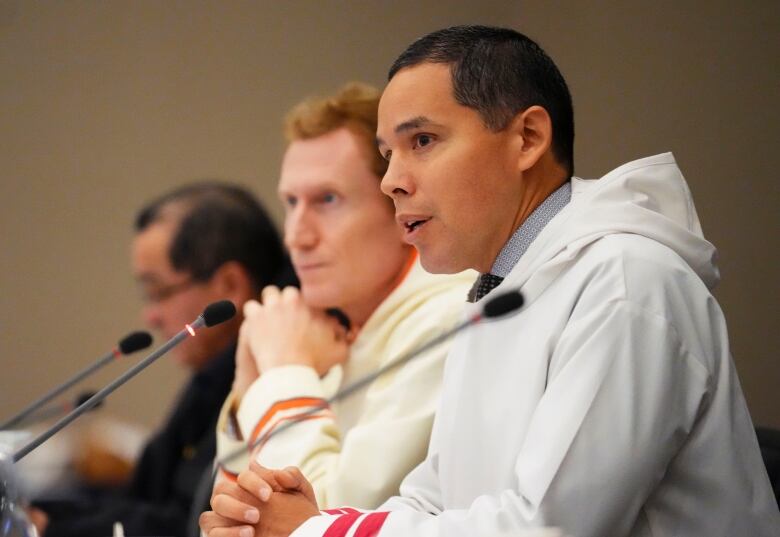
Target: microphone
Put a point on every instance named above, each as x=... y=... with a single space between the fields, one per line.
x=58 y=409
x=214 y=314
x=500 y=306
x=132 y=342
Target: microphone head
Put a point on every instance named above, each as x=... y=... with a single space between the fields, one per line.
x=218 y=312
x=134 y=341
x=503 y=304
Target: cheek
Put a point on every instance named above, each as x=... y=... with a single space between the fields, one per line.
x=467 y=188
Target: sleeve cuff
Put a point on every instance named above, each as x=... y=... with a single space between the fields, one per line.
x=278 y=385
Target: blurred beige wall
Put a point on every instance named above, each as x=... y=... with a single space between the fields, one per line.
x=105 y=104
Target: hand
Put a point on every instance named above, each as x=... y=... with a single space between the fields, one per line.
x=235 y=511
x=246 y=367
x=38 y=518
x=285 y=331
x=273 y=502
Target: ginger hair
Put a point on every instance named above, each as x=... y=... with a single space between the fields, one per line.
x=353 y=106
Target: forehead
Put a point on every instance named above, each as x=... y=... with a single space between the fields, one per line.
x=150 y=249
x=423 y=90
x=335 y=159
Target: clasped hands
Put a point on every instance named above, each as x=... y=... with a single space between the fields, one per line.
x=260 y=503
x=283 y=330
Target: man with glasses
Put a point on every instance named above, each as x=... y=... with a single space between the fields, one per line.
x=193 y=246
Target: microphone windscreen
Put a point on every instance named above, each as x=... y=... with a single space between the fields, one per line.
x=218 y=312
x=134 y=341
x=503 y=304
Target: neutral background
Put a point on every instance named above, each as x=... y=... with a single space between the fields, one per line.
x=105 y=104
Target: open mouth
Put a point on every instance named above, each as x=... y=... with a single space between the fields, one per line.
x=414 y=224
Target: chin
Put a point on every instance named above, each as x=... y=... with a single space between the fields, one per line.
x=316 y=297
x=436 y=263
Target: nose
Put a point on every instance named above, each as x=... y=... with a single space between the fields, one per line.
x=152 y=315
x=397 y=181
x=299 y=231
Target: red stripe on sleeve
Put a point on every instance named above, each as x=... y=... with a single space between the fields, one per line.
x=350 y=510
x=371 y=525
x=333 y=511
x=341 y=525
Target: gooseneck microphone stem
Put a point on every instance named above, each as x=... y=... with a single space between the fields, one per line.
x=102 y=394
x=204 y=484
x=133 y=342
x=35 y=405
x=359 y=384
x=499 y=306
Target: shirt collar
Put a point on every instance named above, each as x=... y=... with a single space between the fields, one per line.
x=522 y=238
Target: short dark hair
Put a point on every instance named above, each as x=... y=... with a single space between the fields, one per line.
x=499 y=72
x=218 y=222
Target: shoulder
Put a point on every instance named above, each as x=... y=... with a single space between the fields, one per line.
x=640 y=265
x=635 y=273
x=422 y=296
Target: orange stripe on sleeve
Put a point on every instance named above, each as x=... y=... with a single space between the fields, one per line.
x=297 y=417
x=228 y=474
x=299 y=402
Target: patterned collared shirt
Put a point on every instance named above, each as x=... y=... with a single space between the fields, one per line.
x=520 y=240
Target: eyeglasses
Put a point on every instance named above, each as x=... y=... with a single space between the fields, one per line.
x=157 y=294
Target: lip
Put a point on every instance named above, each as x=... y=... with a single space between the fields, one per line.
x=303 y=267
x=411 y=234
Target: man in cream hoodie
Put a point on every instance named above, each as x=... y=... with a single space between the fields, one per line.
x=609 y=406
x=347 y=252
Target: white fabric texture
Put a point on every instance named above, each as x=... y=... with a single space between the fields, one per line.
x=358 y=452
x=609 y=406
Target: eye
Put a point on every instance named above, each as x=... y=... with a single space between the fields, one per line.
x=328 y=197
x=290 y=201
x=387 y=154
x=422 y=140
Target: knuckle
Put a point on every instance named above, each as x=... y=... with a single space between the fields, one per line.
x=205 y=520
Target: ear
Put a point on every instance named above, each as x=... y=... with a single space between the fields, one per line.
x=531 y=132
x=231 y=281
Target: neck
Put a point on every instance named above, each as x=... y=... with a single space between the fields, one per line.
x=536 y=185
x=360 y=313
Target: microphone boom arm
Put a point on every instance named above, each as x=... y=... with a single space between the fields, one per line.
x=102 y=394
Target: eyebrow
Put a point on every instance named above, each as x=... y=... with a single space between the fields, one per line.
x=408 y=125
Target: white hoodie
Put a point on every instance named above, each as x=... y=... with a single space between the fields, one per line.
x=609 y=406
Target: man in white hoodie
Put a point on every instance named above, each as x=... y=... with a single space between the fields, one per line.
x=609 y=405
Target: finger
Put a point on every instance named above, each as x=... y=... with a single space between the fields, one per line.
x=290 y=294
x=231 y=489
x=234 y=509
x=251 y=307
x=331 y=322
x=236 y=531
x=290 y=478
x=214 y=525
x=270 y=295
x=339 y=331
x=294 y=474
x=259 y=482
x=351 y=336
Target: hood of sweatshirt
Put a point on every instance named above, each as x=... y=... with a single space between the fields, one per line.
x=647 y=197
